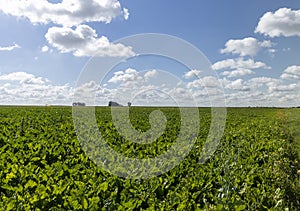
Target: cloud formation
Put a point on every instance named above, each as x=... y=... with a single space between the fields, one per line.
x=192 y=74
x=283 y=22
x=27 y=89
x=84 y=41
x=238 y=67
x=73 y=35
x=237 y=73
x=45 y=49
x=248 y=46
x=10 y=48
x=66 y=13
x=239 y=85
x=291 y=73
x=129 y=75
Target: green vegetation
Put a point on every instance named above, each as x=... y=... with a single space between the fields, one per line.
x=293 y=124
x=43 y=167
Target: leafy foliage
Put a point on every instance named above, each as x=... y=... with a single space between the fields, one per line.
x=43 y=167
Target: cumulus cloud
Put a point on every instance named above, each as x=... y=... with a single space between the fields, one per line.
x=291 y=73
x=263 y=80
x=248 y=46
x=45 y=49
x=238 y=64
x=70 y=14
x=293 y=70
x=284 y=88
x=150 y=74
x=10 y=48
x=129 y=75
x=237 y=73
x=205 y=82
x=283 y=22
x=287 y=76
x=238 y=67
x=192 y=74
x=84 y=41
x=261 y=91
x=16 y=76
x=126 y=13
x=23 y=78
x=238 y=85
x=66 y=13
x=25 y=88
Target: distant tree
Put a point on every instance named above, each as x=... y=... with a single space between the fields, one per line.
x=129 y=104
x=78 y=104
x=111 y=103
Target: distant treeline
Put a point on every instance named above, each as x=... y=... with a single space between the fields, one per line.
x=112 y=103
x=78 y=104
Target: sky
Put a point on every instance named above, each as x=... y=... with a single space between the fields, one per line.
x=250 y=52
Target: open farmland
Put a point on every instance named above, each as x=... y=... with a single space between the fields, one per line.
x=43 y=167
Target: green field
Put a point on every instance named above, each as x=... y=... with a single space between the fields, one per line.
x=43 y=167
x=293 y=124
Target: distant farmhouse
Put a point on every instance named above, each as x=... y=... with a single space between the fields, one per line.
x=111 y=103
x=78 y=104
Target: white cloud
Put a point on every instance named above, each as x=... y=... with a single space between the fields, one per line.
x=45 y=49
x=66 y=13
x=73 y=35
x=84 y=41
x=23 y=78
x=34 y=80
x=293 y=70
x=283 y=88
x=291 y=73
x=287 y=76
x=261 y=91
x=126 y=13
x=248 y=46
x=237 y=73
x=25 y=88
x=283 y=22
x=239 y=63
x=259 y=81
x=150 y=74
x=129 y=75
x=132 y=78
x=272 y=51
x=16 y=76
x=238 y=85
x=192 y=74
x=10 y=48
x=207 y=81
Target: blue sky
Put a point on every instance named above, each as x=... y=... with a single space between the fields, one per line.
x=253 y=47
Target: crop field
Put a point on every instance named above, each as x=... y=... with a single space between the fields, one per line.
x=44 y=167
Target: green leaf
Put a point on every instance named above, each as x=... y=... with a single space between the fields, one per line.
x=30 y=184
x=85 y=203
x=240 y=207
x=10 y=206
x=104 y=186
